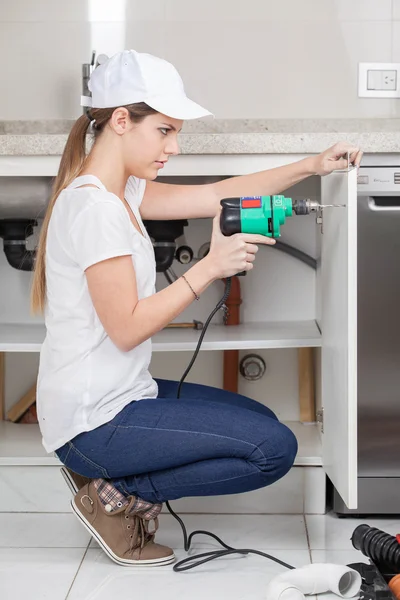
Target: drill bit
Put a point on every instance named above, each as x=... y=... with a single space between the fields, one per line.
x=312 y=205
x=330 y=205
x=307 y=206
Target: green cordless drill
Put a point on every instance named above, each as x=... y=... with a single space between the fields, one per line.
x=262 y=214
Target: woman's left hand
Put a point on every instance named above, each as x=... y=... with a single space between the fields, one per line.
x=335 y=158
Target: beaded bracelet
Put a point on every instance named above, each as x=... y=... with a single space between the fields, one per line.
x=194 y=293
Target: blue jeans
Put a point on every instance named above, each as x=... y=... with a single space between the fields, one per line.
x=209 y=442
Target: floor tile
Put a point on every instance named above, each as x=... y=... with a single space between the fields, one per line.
x=236 y=578
x=40 y=574
x=329 y=596
x=285 y=532
x=59 y=542
x=328 y=532
x=41 y=530
x=338 y=557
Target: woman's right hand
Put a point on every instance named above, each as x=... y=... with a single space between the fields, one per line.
x=233 y=254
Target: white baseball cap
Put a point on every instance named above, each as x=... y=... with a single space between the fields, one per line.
x=129 y=77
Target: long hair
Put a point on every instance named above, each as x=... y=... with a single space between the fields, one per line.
x=72 y=162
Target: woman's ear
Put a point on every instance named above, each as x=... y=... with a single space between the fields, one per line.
x=120 y=120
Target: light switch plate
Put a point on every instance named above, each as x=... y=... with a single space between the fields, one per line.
x=379 y=80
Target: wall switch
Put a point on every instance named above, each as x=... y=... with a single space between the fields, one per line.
x=379 y=80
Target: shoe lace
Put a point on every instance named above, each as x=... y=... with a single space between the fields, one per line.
x=140 y=534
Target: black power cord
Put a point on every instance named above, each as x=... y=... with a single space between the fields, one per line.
x=220 y=304
x=213 y=554
x=183 y=565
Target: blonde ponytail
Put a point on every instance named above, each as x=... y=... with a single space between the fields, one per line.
x=71 y=164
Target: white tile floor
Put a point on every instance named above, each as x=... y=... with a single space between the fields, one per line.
x=51 y=557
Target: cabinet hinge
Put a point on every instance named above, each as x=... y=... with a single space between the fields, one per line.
x=320 y=418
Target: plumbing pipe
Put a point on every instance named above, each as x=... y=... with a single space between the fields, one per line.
x=315 y=579
x=231 y=357
x=24 y=197
x=381 y=547
x=14 y=233
x=296 y=253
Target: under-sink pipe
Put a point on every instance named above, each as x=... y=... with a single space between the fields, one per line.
x=296 y=253
x=231 y=357
x=14 y=233
x=315 y=579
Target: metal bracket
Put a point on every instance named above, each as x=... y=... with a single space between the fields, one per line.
x=320 y=418
x=320 y=221
x=349 y=166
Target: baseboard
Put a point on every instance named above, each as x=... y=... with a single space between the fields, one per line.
x=42 y=489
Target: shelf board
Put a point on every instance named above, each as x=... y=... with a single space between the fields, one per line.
x=309 y=441
x=280 y=334
x=17 y=337
x=21 y=444
x=21 y=337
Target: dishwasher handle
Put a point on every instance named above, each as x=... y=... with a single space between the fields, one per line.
x=384 y=203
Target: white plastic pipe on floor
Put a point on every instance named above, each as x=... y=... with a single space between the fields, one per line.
x=315 y=579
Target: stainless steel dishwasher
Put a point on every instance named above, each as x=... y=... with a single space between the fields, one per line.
x=378 y=319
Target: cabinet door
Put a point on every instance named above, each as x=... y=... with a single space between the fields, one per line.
x=338 y=280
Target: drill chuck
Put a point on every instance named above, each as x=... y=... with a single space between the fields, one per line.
x=305 y=207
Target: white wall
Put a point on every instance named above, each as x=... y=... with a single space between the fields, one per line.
x=252 y=59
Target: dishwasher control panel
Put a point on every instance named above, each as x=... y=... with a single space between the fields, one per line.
x=378 y=181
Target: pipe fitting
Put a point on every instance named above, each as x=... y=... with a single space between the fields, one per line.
x=252 y=367
x=315 y=579
x=184 y=255
x=14 y=233
x=163 y=235
x=164 y=253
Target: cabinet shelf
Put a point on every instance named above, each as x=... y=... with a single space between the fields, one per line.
x=21 y=444
x=21 y=337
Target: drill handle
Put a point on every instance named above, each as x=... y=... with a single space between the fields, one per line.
x=230 y=221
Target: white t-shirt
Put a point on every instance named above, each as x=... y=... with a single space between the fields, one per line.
x=84 y=379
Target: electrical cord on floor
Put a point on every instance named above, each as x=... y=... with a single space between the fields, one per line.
x=213 y=554
x=184 y=565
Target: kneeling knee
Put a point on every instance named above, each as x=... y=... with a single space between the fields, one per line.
x=289 y=451
x=280 y=451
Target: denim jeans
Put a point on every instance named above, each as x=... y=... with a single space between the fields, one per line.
x=209 y=442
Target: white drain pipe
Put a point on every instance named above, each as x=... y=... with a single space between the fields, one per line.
x=315 y=579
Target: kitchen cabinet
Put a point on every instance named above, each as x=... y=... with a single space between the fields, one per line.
x=331 y=330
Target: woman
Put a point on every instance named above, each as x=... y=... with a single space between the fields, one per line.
x=128 y=443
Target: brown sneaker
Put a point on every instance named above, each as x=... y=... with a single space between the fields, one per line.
x=74 y=481
x=120 y=527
